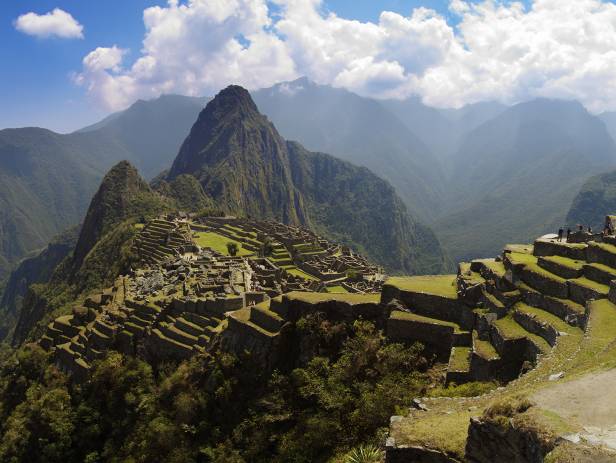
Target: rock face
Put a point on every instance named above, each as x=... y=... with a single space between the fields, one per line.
x=121 y=194
x=249 y=169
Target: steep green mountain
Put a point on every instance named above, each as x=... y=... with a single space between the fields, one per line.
x=358 y=130
x=516 y=175
x=248 y=168
x=122 y=194
x=36 y=269
x=102 y=250
x=596 y=198
x=46 y=180
x=151 y=131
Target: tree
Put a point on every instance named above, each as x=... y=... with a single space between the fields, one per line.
x=232 y=248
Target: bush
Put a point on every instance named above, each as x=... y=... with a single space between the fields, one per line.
x=364 y=454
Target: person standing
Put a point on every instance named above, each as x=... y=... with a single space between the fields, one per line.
x=560 y=234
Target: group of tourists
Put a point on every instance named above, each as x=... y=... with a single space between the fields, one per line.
x=607 y=230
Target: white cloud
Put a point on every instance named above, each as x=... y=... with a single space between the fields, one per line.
x=498 y=50
x=57 y=23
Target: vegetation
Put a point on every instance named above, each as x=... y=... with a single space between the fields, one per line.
x=219 y=243
x=232 y=248
x=439 y=285
x=212 y=408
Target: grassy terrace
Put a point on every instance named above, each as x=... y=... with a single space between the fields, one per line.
x=565 y=262
x=445 y=425
x=400 y=315
x=460 y=359
x=300 y=273
x=603 y=289
x=484 y=349
x=603 y=268
x=438 y=285
x=521 y=258
x=547 y=317
x=336 y=289
x=519 y=248
x=218 y=243
x=604 y=246
x=349 y=298
x=510 y=329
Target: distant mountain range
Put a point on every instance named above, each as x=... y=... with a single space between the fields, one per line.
x=473 y=174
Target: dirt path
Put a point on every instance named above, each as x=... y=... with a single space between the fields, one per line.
x=588 y=402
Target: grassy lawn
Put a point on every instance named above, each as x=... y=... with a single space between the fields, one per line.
x=603 y=289
x=299 y=273
x=565 y=262
x=336 y=289
x=460 y=359
x=439 y=285
x=484 y=348
x=218 y=243
x=400 y=315
x=350 y=298
x=520 y=248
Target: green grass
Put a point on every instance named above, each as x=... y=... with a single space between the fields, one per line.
x=565 y=262
x=438 y=285
x=547 y=317
x=484 y=348
x=460 y=359
x=520 y=248
x=336 y=289
x=218 y=243
x=350 y=298
x=510 y=329
x=521 y=258
x=605 y=246
x=300 y=273
x=400 y=315
x=603 y=289
x=603 y=268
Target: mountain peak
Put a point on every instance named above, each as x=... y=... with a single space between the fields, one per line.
x=234 y=97
x=121 y=187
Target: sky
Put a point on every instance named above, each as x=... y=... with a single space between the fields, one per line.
x=68 y=63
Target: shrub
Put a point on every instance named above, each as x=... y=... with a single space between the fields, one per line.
x=364 y=454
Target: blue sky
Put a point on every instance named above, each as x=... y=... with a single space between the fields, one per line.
x=469 y=51
x=35 y=83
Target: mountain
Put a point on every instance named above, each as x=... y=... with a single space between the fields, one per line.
x=244 y=164
x=359 y=130
x=151 y=131
x=46 y=180
x=36 y=269
x=122 y=194
x=516 y=175
x=596 y=198
x=442 y=129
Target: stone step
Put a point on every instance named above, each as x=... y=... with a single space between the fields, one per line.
x=601 y=253
x=576 y=251
x=508 y=329
x=459 y=366
x=173 y=332
x=581 y=290
x=134 y=328
x=188 y=327
x=177 y=347
x=538 y=322
x=600 y=273
x=493 y=304
x=544 y=281
x=562 y=266
x=265 y=318
x=200 y=319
